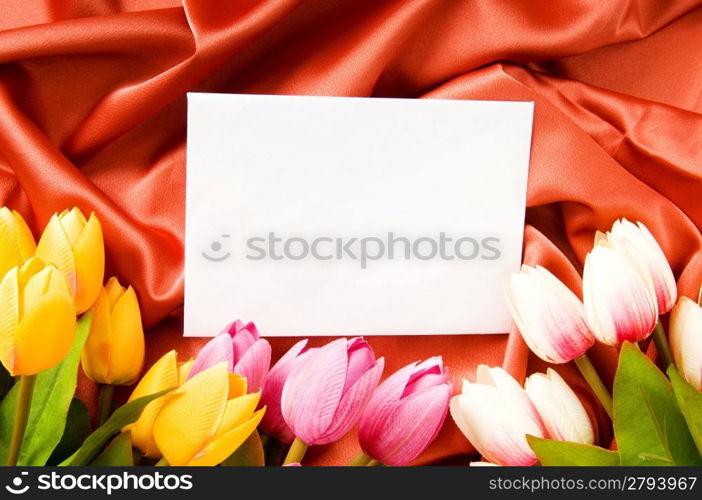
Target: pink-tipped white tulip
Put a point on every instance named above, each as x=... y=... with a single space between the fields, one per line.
x=244 y=351
x=636 y=243
x=406 y=413
x=483 y=463
x=686 y=340
x=495 y=414
x=549 y=316
x=619 y=304
x=562 y=412
x=273 y=422
x=323 y=398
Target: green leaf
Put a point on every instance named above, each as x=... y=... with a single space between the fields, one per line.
x=53 y=392
x=249 y=454
x=6 y=381
x=562 y=453
x=77 y=429
x=117 y=454
x=648 y=426
x=124 y=415
x=690 y=403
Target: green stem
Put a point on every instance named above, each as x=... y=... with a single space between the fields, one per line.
x=24 y=403
x=595 y=382
x=161 y=463
x=105 y=403
x=360 y=460
x=296 y=452
x=374 y=463
x=662 y=346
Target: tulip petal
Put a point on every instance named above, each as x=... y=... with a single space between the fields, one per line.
x=517 y=397
x=236 y=412
x=95 y=358
x=16 y=240
x=411 y=428
x=550 y=317
x=9 y=318
x=273 y=422
x=114 y=291
x=383 y=404
x=238 y=386
x=72 y=221
x=218 y=450
x=35 y=287
x=563 y=414
x=126 y=341
x=184 y=370
x=619 y=305
x=493 y=427
x=352 y=404
x=254 y=364
x=292 y=354
x=89 y=250
x=312 y=392
x=142 y=430
x=189 y=419
x=25 y=238
x=427 y=374
x=161 y=376
x=243 y=337
x=9 y=248
x=361 y=359
x=45 y=333
x=686 y=340
x=495 y=414
x=218 y=350
x=54 y=248
x=640 y=246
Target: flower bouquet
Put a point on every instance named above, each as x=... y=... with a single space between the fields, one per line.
x=228 y=406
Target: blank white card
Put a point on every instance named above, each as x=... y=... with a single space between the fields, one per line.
x=353 y=216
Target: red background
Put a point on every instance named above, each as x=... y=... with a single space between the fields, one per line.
x=92 y=113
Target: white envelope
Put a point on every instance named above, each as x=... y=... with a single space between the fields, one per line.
x=290 y=201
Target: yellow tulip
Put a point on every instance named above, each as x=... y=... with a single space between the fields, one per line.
x=16 y=240
x=114 y=351
x=163 y=375
x=37 y=318
x=207 y=418
x=75 y=246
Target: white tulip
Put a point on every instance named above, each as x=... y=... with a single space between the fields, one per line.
x=495 y=414
x=562 y=412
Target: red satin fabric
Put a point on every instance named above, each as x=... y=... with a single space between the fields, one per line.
x=93 y=115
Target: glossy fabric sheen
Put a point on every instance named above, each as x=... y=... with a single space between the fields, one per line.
x=92 y=103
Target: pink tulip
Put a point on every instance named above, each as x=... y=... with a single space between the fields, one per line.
x=549 y=316
x=241 y=347
x=636 y=243
x=406 y=413
x=686 y=340
x=324 y=396
x=495 y=414
x=620 y=304
x=273 y=422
